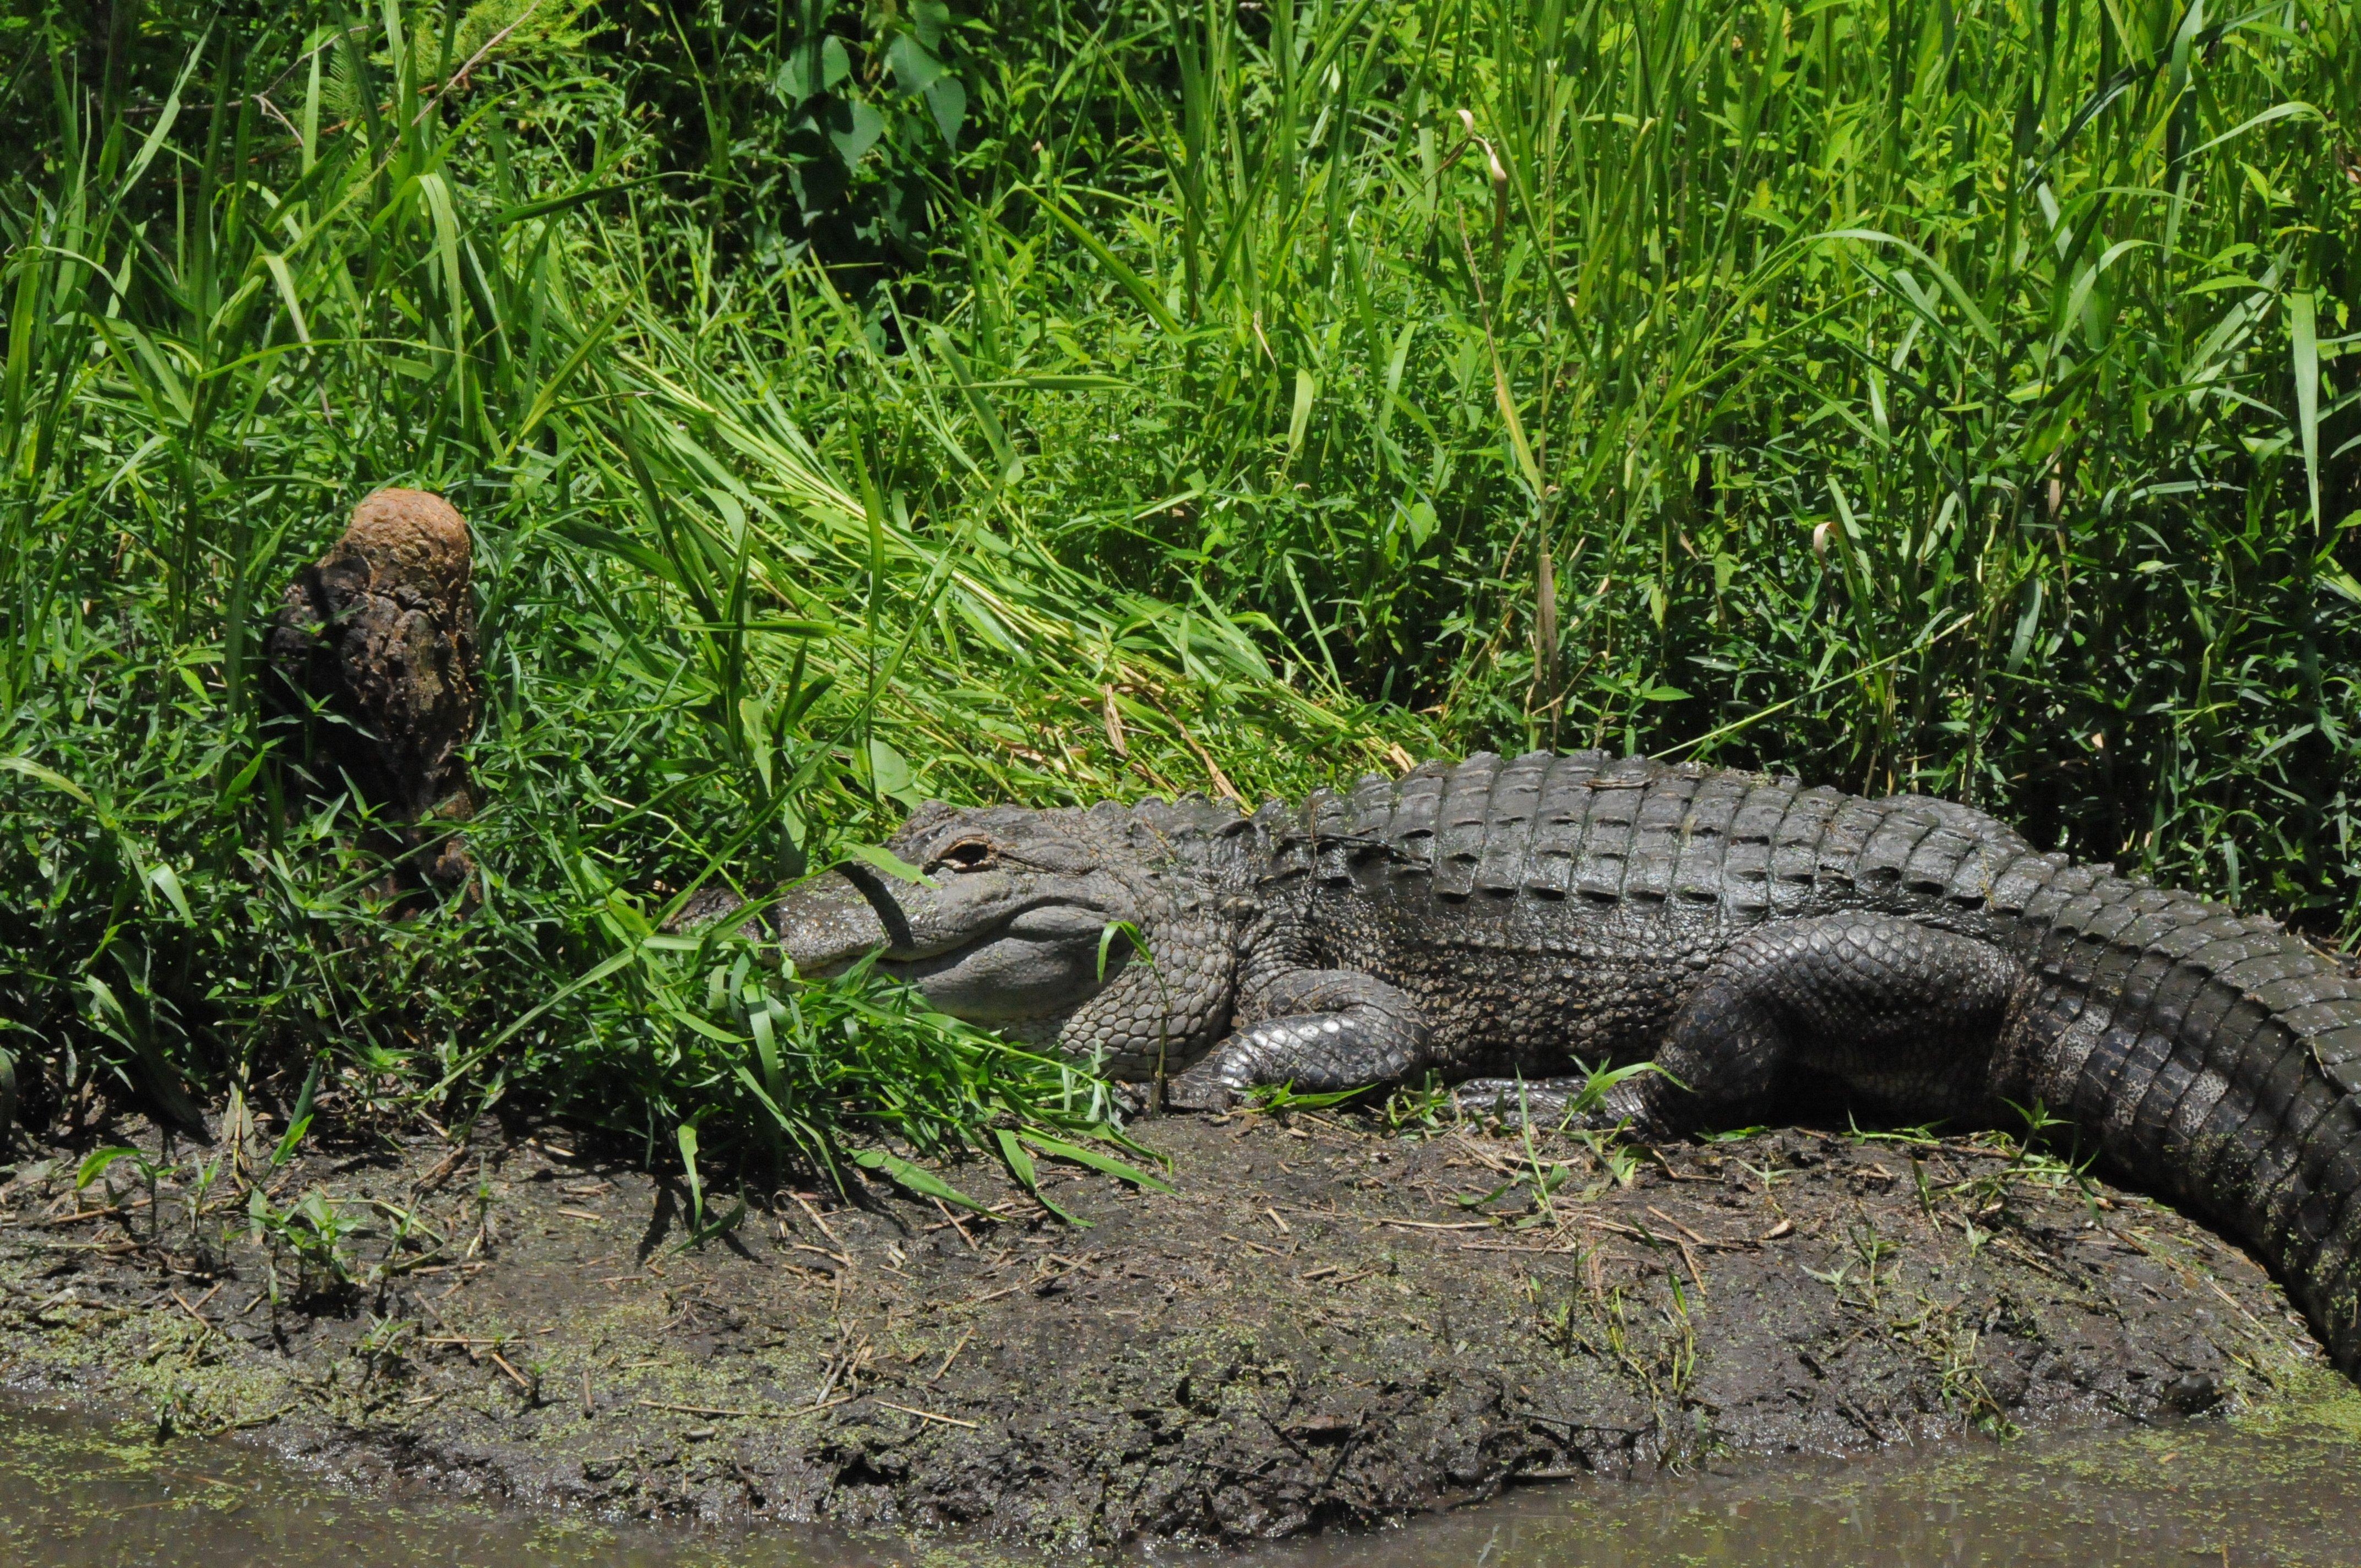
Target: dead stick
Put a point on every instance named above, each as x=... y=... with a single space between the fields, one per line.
x=501 y=1362
x=805 y=1204
x=946 y=1366
x=928 y=1415
x=956 y=1225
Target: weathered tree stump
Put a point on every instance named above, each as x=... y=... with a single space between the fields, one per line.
x=373 y=656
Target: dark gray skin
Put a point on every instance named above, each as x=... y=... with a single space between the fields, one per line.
x=1911 y=959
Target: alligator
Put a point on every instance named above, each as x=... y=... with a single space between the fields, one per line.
x=1518 y=926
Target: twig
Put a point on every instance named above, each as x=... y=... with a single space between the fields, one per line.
x=955 y=1225
x=440 y=1174
x=78 y=1216
x=273 y=111
x=2187 y=1272
x=1696 y=1275
x=203 y=1321
x=2005 y=1244
x=928 y=1415
x=746 y=1414
x=946 y=1366
x=805 y=1204
x=1701 y=1241
x=1037 y=1280
x=460 y=77
x=1641 y=1234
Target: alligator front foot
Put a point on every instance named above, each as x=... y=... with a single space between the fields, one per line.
x=1327 y=1030
x=1310 y=1053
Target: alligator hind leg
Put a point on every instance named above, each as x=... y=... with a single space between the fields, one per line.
x=1903 y=1016
x=1318 y=1030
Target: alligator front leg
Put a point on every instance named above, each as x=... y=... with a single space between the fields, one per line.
x=1317 y=1030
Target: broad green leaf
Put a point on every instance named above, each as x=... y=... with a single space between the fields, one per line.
x=95 y=1163
x=1020 y=1165
x=946 y=102
x=912 y=1179
x=886 y=861
x=2302 y=337
x=914 y=69
x=49 y=776
x=1060 y=1149
x=860 y=126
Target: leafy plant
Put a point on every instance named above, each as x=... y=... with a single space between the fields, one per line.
x=699 y=1231
x=311 y=1233
x=96 y=1164
x=1225 y=398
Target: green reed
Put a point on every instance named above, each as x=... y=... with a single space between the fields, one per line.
x=1940 y=397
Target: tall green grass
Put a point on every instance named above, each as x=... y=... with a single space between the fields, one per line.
x=1917 y=397
x=1924 y=398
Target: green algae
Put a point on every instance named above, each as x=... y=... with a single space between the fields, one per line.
x=2312 y=1403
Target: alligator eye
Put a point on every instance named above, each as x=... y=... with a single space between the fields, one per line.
x=968 y=855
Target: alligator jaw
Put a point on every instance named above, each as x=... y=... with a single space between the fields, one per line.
x=828 y=925
x=984 y=945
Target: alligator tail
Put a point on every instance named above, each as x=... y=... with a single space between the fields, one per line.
x=2214 y=1056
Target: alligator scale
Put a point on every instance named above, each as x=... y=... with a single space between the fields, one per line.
x=1501 y=921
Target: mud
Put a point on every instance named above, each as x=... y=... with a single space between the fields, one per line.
x=1329 y=1323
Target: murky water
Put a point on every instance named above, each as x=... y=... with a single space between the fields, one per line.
x=76 y=1495
x=2192 y=1495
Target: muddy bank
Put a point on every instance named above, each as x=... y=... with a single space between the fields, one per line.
x=1326 y=1324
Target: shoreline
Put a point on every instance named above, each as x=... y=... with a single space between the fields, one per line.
x=1322 y=1328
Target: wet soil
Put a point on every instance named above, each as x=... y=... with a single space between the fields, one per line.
x=2268 y=1490
x=1326 y=1324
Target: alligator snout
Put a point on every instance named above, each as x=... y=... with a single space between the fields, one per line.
x=832 y=922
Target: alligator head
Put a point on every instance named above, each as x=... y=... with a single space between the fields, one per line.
x=1022 y=921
